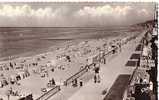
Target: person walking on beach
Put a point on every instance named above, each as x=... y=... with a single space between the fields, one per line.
x=81 y=82
x=97 y=76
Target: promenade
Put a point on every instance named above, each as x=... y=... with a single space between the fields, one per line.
x=108 y=73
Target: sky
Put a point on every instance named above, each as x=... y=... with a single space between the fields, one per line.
x=74 y=14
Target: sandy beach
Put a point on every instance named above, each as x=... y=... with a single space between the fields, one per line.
x=40 y=65
x=78 y=50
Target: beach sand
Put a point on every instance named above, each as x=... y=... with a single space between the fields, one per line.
x=34 y=83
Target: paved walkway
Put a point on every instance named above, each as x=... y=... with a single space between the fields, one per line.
x=109 y=72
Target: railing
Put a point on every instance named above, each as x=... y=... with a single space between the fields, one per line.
x=56 y=89
x=75 y=76
x=84 y=70
x=110 y=52
x=50 y=93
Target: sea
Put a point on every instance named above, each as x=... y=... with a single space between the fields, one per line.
x=34 y=40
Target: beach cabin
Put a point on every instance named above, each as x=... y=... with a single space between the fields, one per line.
x=22 y=74
x=51 y=63
x=13 y=78
x=18 y=66
x=5 y=66
x=3 y=82
x=124 y=41
x=43 y=68
x=93 y=59
x=90 y=60
x=18 y=76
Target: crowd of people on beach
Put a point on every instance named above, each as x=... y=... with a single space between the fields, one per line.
x=81 y=54
x=114 y=47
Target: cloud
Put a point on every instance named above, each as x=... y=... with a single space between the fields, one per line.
x=101 y=11
x=115 y=15
x=106 y=15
